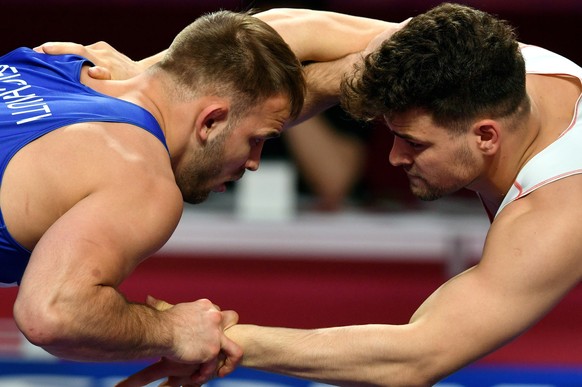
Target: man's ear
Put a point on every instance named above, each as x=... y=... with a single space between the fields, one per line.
x=211 y=117
x=487 y=135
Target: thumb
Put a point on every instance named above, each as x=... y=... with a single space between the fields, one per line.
x=229 y=318
x=58 y=48
x=100 y=73
x=158 y=304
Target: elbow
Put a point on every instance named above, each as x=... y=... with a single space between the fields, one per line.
x=422 y=378
x=412 y=378
x=417 y=369
x=409 y=375
x=41 y=323
x=426 y=370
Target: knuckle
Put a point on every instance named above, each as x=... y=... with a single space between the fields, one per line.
x=237 y=354
x=215 y=317
x=205 y=302
x=211 y=351
x=99 y=44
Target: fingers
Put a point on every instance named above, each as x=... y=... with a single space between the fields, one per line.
x=59 y=48
x=231 y=353
x=404 y=23
x=185 y=375
x=147 y=375
x=173 y=381
x=177 y=374
x=206 y=372
x=98 y=72
x=158 y=304
x=229 y=318
x=232 y=350
x=234 y=355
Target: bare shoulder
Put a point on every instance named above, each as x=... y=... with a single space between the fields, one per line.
x=531 y=259
x=540 y=233
x=125 y=159
x=120 y=163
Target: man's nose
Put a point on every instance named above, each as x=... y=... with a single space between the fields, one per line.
x=398 y=154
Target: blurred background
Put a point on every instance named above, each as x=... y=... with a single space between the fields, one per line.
x=326 y=232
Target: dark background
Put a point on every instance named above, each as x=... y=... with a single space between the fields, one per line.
x=140 y=28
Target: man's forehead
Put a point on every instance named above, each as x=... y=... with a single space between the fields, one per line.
x=407 y=120
x=277 y=104
x=269 y=116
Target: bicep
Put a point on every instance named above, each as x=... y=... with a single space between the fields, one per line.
x=525 y=270
x=101 y=239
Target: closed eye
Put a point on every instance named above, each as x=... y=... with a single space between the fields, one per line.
x=414 y=145
x=410 y=141
x=260 y=139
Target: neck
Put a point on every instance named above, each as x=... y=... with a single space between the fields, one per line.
x=148 y=90
x=552 y=105
x=519 y=142
x=175 y=114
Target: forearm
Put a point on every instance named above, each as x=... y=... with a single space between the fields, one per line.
x=99 y=326
x=323 y=36
x=366 y=355
x=151 y=60
x=323 y=85
x=318 y=36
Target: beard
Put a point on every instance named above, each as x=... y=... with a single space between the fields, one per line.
x=196 y=177
x=466 y=171
x=425 y=191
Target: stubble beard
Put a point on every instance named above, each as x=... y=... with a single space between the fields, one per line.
x=203 y=168
x=430 y=192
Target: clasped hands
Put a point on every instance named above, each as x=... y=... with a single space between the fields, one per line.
x=179 y=374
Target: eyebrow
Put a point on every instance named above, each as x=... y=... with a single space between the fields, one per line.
x=403 y=135
x=272 y=134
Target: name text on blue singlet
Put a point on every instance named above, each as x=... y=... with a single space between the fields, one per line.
x=27 y=107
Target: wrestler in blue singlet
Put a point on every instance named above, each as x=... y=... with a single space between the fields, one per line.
x=38 y=94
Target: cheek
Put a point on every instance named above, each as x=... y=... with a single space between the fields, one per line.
x=467 y=163
x=236 y=147
x=237 y=154
x=235 y=159
x=435 y=169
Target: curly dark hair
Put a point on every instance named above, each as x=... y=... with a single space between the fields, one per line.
x=455 y=62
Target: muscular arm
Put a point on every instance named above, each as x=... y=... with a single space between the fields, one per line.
x=323 y=36
x=526 y=269
x=328 y=42
x=323 y=85
x=316 y=36
x=530 y=261
x=69 y=301
x=81 y=314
